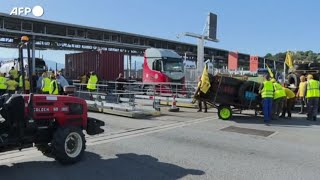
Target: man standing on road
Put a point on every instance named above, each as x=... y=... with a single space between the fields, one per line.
x=14 y=73
x=278 y=99
x=201 y=99
x=313 y=94
x=301 y=93
x=289 y=102
x=45 y=85
x=92 y=82
x=120 y=83
x=267 y=98
x=62 y=82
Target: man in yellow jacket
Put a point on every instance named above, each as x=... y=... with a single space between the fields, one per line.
x=45 y=85
x=54 y=87
x=301 y=93
x=313 y=94
x=14 y=73
x=289 y=102
x=3 y=85
x=11 y=85
x=278 y=99
x=92 y=82
x=267 y=98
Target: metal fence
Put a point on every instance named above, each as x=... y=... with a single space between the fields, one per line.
x=135 y=95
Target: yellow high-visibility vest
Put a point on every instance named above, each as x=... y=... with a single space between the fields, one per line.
x=3 y=84
x=92 y=82
x=14 y=73
x=313 y=88
x=20 y=81
x=11 y=85
x=52 y=90
x=278 y=91
x=46 y=87
x=267 y=91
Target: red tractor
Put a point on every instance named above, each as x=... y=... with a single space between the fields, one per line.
x=52 y=123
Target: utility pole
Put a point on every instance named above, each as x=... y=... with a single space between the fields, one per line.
x=209 y=34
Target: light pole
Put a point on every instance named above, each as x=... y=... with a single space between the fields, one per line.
x=208 y=34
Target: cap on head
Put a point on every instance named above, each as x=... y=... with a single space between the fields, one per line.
x=310 y=76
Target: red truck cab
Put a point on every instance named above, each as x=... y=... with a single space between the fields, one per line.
x=163 y=66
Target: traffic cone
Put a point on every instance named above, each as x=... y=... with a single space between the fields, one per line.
x=174 y=107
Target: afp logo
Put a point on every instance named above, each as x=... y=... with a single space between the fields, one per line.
x=24 y=11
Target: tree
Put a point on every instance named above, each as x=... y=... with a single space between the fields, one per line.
x=268 y=56
x=298 y=55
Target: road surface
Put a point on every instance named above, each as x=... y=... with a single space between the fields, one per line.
x=183 y=145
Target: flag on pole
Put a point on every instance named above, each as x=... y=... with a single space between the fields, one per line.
x=270 y=72
x=205 y=82
x=288 y=60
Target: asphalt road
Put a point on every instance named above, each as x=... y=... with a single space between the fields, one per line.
x=185 y=145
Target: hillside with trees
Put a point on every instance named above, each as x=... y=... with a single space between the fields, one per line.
x=308 y=56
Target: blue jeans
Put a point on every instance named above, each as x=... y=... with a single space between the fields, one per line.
x=267 y=109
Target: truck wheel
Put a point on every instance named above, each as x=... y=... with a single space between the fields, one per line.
x=224 y=112
x=68 y=145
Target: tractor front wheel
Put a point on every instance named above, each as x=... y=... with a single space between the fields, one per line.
x=68 y=145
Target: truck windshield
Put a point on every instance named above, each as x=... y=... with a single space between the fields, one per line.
x=172 y=65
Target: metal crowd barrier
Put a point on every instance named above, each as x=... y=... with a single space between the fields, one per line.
x=138 y=94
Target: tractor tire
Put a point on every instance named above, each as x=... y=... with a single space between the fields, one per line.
x=314 y=65
x=301 y=66
x=68 y=145
x=293 y=79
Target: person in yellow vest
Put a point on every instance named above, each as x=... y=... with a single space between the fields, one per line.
x=92 y=82
x=267 y=98
x=301 y=93
x=289 y=102
x=3 y=85
x=278 y=99
x=27 y=85
x=14 y=73
x=54 y=87
x=45 y=85
x=11 y=85
x=313 y=94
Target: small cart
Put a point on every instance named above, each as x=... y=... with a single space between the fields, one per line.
x=230 y=95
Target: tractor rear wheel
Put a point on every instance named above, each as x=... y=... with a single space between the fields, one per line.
x=68 y=145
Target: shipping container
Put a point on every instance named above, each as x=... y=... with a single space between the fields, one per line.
x=233 y=61
x=106 y=64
